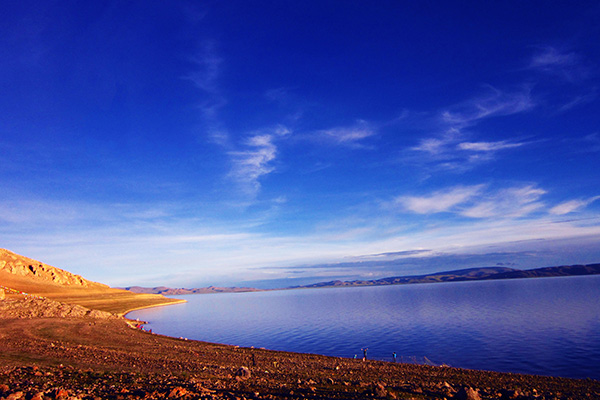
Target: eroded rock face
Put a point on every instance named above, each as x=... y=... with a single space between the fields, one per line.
x=24 y=266
x=1 y=294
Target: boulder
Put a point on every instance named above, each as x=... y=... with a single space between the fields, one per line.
x=243 y=373
x=467 y=393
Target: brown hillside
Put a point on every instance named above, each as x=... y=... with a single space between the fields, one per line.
x=22 y=266
x=23 y=274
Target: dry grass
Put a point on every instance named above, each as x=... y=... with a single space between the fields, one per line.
x=96 y=297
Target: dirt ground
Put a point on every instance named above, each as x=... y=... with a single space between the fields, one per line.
x=106 y=358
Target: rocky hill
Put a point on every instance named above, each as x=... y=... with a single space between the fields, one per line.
x=22 y=266
x=24 y=276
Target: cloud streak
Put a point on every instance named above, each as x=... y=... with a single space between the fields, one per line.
x=454 y=149
x=572 y=206
x=255 y=160
x=496 y=103
x=440 y=201
x=349 y=135
x=566 y=65
x=477 y=202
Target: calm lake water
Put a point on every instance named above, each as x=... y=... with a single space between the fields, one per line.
x=546 y=326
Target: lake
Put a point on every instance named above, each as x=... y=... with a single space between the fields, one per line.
x=545 y=326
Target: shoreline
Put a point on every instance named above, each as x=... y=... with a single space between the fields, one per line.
x=169 y=303
x=51 y=355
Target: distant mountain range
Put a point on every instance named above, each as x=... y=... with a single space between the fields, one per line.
x=470 y=274
x=167 y=291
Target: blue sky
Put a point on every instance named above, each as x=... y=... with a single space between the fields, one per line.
x=261 y=143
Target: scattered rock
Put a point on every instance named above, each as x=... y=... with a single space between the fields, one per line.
x=510 y=394
x=38 y=396
x=177 y=393
x=15 y=396
x=243 y=373
x=379 y=390
x=467 y=393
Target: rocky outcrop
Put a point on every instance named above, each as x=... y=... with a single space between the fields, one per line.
x=23 y=266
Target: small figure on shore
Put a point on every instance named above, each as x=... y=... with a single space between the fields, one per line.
x=365 y=353
x=355 y=356
x=394 y=355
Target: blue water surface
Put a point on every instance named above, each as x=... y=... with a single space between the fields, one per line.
x=545 y=326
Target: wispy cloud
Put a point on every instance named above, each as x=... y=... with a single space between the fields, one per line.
x=579 y=100
x=567 y=65
x=441 y=145
x=488 y=146
x=439 y=201
x=207 y=67
x=494 y=104
x=452 y=151
x=349 y=135
x=454 y=148
x=254 y=161
x=146 y=238
x=506 y=203
x=572 y=206
x=477 y=202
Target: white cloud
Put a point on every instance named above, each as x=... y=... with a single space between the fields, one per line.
x=451 y=150
x=572 y=206
x=441 y=145
x=251 y=164
x=440 y=201
x=553 y=61
x=475 y=202
x=507 y=203
x=550 y=57
x=496 y=103
x=349 y=135
x=488 y=146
